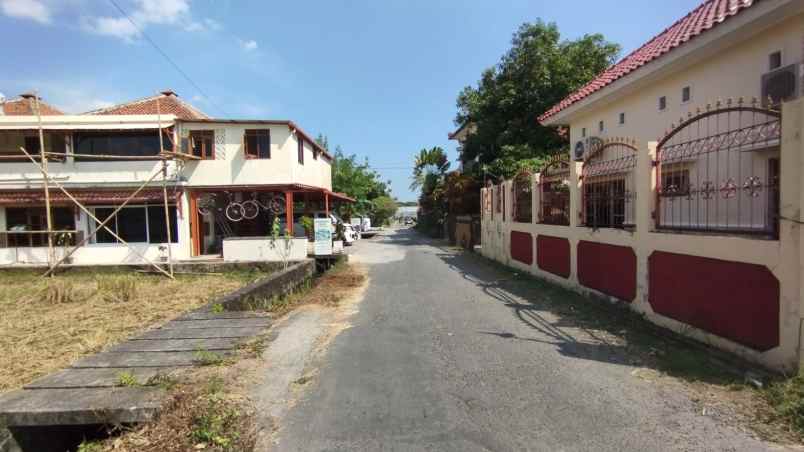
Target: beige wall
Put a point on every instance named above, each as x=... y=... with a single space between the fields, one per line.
x=781 y=257
x=735 y=72
x=231 y=167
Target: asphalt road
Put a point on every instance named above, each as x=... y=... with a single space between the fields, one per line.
x=447 y=353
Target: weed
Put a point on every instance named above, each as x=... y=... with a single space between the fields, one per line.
x=163 y=381
x=127 y=379
x=208 y=358
x=787 y=399
x=120 y=289
x=59 y=292
x=213 y=425
x=89 y=446
x=217 y=308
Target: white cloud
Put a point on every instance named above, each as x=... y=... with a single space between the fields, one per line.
x=26 y=9
x=248 y=45
x=147 y=12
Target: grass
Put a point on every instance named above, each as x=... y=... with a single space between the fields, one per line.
x=47 y=323
x=208 y=358
x=127 y=379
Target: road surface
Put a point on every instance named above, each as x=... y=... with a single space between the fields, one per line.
x=446 y=354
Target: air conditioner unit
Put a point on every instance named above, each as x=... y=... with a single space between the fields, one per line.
x=780 y=85
x=585 y=146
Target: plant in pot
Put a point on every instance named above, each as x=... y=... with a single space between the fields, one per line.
x=63 y=239
x=308 y=225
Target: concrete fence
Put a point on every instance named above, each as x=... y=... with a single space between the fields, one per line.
x=736 y=291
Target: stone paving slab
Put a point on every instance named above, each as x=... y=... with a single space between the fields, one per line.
x=200 y=333
x=80 y=406
x=98 y=378
x=176 y=345
x=207 y=315
x=142 y=359
x=217 y=323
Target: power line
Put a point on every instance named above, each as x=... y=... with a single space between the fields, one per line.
x=167 y=57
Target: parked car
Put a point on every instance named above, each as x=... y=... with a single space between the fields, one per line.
x=349 y=235
x=408 y=221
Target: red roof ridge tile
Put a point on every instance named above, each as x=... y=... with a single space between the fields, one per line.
x=704 y=17
x=194 y=113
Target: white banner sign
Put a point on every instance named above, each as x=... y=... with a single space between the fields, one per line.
x=323 y=237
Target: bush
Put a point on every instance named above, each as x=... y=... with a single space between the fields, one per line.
x=120 y=289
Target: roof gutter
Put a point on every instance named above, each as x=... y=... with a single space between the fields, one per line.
x=739 y=28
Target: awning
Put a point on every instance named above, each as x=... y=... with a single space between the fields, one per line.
x=23 y=198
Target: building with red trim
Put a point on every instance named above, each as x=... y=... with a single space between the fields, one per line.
x=225 y=179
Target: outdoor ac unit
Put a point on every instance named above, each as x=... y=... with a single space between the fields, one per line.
x=780 y=85
x=584 y=146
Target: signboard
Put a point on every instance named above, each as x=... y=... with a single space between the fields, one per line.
x=323 y=237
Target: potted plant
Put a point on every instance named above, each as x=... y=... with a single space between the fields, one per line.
x=308 y=225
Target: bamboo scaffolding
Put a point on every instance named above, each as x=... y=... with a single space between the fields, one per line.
x=164 y=191
x=50 y=255
x=101 y=224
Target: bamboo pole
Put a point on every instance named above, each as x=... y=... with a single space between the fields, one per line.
x=164 y=190
x=50 y=255
x=99 y=222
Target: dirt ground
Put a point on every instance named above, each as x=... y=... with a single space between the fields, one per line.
x=48 y=323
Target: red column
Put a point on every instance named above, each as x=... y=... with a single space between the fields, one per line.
x=289 y=212
x=326 y=203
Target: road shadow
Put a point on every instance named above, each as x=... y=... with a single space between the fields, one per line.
x=590 y=328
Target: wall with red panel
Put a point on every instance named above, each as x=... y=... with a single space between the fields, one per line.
x=553 y=255
x=522 y=247
x=734 y=300
x=610 y=269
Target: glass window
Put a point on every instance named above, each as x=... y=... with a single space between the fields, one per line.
x=157 y=232
x=600 y=126
x=622 y=118
x=686 y=94
x=202 y=143
x=301 y=151
x=140 y=143
x=258 y=144
x=662 y=103
x=103 y=236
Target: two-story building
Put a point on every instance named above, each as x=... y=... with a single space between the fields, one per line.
x=225 y=179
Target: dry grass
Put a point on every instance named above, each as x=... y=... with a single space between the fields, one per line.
x=48 y=323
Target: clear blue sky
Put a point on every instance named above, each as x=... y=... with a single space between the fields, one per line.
x=377 y=77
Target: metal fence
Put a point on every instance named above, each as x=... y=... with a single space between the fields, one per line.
x=607 y=181
x=554 y=192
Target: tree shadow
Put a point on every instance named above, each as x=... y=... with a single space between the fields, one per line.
x=591 y=328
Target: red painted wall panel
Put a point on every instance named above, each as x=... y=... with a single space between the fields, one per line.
x=734 y=300
x=553 y=255
x=610 y=269
x=522 y=247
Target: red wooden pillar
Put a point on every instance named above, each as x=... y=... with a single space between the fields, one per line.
x=289 y=212
x=326 y=203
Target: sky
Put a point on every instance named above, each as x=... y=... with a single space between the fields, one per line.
x=377 y=77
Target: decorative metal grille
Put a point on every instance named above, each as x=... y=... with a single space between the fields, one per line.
x=607 y=178
x=220 y=144
x=522 y=188
x=718 y=171
x=554 y=185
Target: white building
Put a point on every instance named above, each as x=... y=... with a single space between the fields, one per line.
x=224 y=179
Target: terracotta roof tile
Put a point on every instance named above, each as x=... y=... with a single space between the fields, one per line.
x=705 y=17
x=169 y=104
x=24 y=107
x=117 y=196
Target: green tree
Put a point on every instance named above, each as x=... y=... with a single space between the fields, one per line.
x=357 y=180
x=537 y=72
x=429 y=173
x=383 y=209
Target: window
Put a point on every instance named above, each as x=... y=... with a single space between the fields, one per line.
x=604 y=204
x=301 y=150
x=622 y=118
x=202 y=143
x=676 y=182
x=258 y=144
x=134 y=144
x=11 y=141
x=775 y=60
x=141 y=224
x=35 y=219
x=686 y=94
x=662 y=103
x=583 y=132
x=600 y=126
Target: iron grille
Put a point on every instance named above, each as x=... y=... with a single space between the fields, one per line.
x=718 y=171
x=607 y=177
x=555 y=196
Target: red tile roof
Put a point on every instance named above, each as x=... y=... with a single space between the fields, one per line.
x=24 y=106
x=21 y=198
x=169 y=104
x=705 y=17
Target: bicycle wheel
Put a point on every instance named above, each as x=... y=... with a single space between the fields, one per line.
x=277 y=205
x=250 y=210
x=234 y=211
